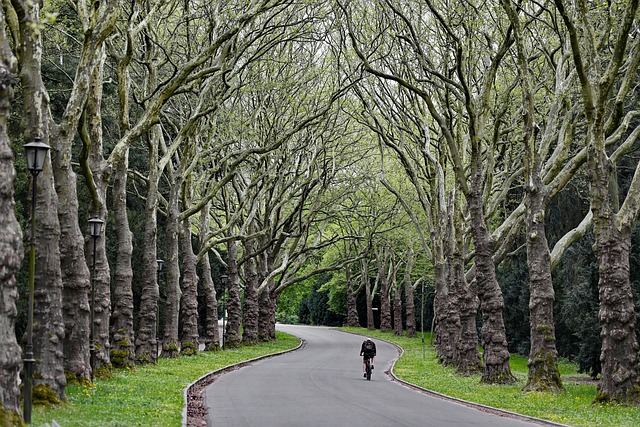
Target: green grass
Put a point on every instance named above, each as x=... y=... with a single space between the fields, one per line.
x=573 y=406
x=150 y=396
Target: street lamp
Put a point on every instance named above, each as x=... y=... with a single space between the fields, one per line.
x=224 y=278
x=36 y=153
x=160 y=265
x=95 y=229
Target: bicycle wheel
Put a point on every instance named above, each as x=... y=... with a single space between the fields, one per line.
x=368 y=367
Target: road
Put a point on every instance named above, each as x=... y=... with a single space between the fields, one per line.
x=322 y=385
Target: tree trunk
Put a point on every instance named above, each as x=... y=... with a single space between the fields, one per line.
x=190 y=339
x=10 y=245
x=232 y=336
x=266 y=309
x=251 y=283
x=368 y=295
x=48 y=324
x=352 y=308
x=619 y=355
x=543 y=356
x=97 y=179
x=397 y=309
x=146 y=350
x=468 y=360
x=443 y=340
x=385 y=304
x=212 y=332
x=173 y=293
x=494 y=338
x=409 y=302
x=123 y=351
x=264 y=299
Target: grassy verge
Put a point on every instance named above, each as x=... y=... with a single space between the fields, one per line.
x=151 y=395
x=573 y=406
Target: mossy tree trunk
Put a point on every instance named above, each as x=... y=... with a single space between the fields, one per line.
x=410 y=309
x=48 y=325
x=146 y=350
x=352 y=311
x=232 y=335
x=212 y=332
x=190 y=339
x=172 y=292
x=10 y=243
x=383 y=261
x=494 y=338
x=397 y=309
x=123 y=339
x=96 y=175
x=251 y=283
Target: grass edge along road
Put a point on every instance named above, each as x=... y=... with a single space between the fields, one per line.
x=572 y=407
x=152 y=395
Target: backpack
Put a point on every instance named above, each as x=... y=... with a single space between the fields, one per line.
x=368 y=346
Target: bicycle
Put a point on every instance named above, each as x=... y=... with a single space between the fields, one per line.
x=367 y=364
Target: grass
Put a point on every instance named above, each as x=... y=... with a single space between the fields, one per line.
x=574 y=406
x=150 y=396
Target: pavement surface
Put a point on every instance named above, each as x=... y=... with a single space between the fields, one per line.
x=322 y=385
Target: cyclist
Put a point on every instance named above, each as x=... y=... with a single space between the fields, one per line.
x=368 y=350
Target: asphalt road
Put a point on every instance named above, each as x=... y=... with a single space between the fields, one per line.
x=322 y=385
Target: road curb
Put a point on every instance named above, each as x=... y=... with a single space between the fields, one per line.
x=210 y=377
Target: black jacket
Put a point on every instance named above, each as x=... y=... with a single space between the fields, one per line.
x=363 y=351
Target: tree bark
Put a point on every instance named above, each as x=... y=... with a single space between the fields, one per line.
x=409 y=302
x=368 y=294
x=190 y=340
x=97 y=178
x=48 y=325
x=173 y=293
x=385 y=304
x=212 y=332
x=146 y=351
x=352 y=310
x=496 y=352
x=123 y=351
x=397 y=309
x=232 y=335
x=619 y=355
x=251 y=283
x=10 y=245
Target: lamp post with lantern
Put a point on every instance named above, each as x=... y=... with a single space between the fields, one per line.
x=36 y=153
x=95 y=228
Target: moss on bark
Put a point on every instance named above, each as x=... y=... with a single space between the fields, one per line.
x=10 y=417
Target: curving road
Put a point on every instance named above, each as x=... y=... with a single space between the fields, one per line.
x=322 y=385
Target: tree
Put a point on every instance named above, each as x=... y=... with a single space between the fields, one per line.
x=603 y=64
x=10 y=244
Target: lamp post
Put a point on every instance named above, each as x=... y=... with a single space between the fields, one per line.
x=160 y=265
x=95 y=228
x=422 y=318
x=224 y=278
x=36 y=152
